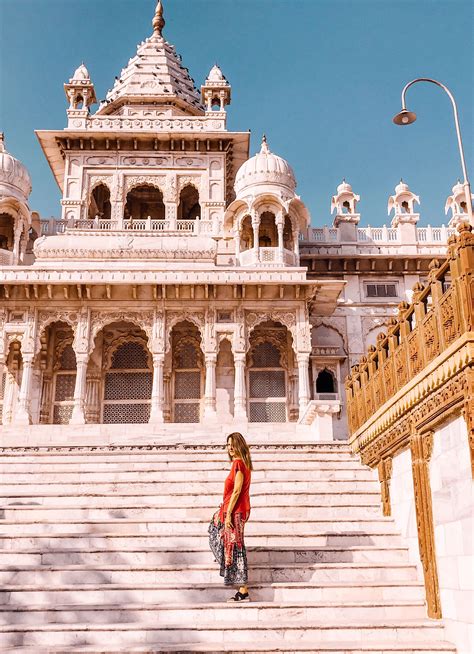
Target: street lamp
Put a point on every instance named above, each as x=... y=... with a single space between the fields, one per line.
x=405 y=117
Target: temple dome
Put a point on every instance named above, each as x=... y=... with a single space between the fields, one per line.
x=264 y=168
x=81 y=73
x=215 y=74
x=15 y=179
x=344 y=187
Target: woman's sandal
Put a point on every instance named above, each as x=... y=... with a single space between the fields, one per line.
x=239 y=597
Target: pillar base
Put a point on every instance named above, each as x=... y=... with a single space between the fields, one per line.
x=156 y=417
x=77 y=417
x=22 y=418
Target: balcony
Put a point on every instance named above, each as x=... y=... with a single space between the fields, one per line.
x=145 y=225
x=271 y=257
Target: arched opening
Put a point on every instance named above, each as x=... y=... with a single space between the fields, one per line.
x=10 y=381
x=267 y=235
x=326 y=382
x=128 y=377
x=225 y=377
x=6 y=231
x=187 y=372
x=57 y=361
x=144 y=202
x=78 y=102
x=288 y=242
x=270 y=365
x=246 y=234
x=189 y=207
x=405 y=207
x=99 y=205
x=346 y=206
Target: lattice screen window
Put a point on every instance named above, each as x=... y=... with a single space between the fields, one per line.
x=63 y=397
x=267 y=412
x=187 y=385
x=187 y=356
x=130 y=356
x=62 y=414
x=126 y=413
x=3 y=383
x=266 y=355
x=67 y=360
x=128 y=385
x=267 y=383
x=186 y=412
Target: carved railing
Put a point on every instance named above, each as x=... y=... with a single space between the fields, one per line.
x=6 y=257
x=420 y=373
x=197 y=226
x=268 y=256
x=381 y=235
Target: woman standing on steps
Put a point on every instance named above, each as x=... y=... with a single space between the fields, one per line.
x=226 y=531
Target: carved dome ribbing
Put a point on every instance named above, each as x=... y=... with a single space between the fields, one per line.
x=264 y=168
x=15 y=179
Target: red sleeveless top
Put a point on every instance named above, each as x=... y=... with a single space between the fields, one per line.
x=243 y=502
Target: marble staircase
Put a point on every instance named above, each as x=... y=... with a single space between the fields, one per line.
x=104 y=549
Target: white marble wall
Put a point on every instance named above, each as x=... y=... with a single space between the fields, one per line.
x=452 y=492
x=403 y=504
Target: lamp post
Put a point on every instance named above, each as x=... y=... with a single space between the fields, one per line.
x=405 y=117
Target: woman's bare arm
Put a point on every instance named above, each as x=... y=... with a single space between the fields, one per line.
x=238 y=482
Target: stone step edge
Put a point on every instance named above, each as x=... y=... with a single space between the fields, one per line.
x=123 y=494
x=412 y=583
x=223 y=626
x=295 y=447
x=189 y=520
x=195 y=550
x=364 y=565
x=28 y=506
x=263 y=647
x=203 y=534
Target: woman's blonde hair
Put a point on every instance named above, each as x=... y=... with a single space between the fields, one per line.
x=241 y=448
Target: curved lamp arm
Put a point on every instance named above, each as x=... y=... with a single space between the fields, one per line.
x=455 y=111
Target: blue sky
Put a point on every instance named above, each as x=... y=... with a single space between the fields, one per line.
x=322 y=78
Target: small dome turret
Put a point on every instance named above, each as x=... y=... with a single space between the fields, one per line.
x=265 y=169
x=15 y=180
x=81 y=73
x=215 y=75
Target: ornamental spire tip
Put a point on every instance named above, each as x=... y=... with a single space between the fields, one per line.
x=158 y=20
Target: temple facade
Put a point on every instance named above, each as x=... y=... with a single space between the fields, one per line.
x=183 y=281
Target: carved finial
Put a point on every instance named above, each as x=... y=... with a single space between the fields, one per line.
x=2 y=142
x=264 y=148
x=158 y=20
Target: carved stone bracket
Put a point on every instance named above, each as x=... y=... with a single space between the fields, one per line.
x=385 y=474
x=421 y=446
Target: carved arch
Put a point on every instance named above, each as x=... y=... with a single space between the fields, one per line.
x=276 y=342
x=45 y=320
x=173 y=318
x=335 y=328
x=142 y=320
x=100 y=181
x=122 y=340
x=189 y=339
x=286 y=318
x=144 y=180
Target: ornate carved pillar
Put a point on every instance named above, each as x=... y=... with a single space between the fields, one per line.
x=170 y=215
x=78 y=416
x=468 y=414
x=240 y=395
x=303 y=381
x=279 y=226
x=421 y=446
x=92 y=404
x=158 y=389
x=385 y=474
x=46 y=391
x=16 y=243
x=22 y=414
x=256 y=240
x=210 y=386
x=167 y=388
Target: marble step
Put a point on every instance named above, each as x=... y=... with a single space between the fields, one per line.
x=204 y=573
x=191 y=457
x=193 y=527
x=218 y=476
x=96 y=498
x=21 y=514
x=204 y=465
x=266 y=647
x=129 y=634
x=182 y=500
x=200 y=540
x=120 y=487
x=131 y=554
x=198 y=595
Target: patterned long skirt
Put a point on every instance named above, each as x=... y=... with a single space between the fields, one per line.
x=228 y=547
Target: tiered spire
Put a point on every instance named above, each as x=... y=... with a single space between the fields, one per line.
x=154 y=75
